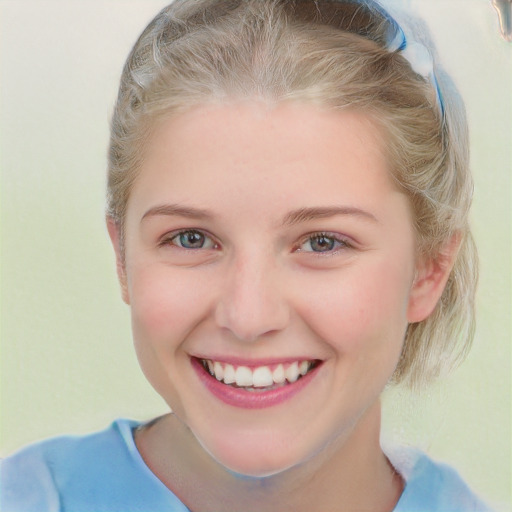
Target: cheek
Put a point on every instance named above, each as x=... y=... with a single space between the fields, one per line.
x=361 y=308
x=165 y=305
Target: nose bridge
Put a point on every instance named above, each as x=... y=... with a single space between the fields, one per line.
x=252 y=301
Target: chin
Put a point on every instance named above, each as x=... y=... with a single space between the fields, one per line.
x=254 y=469
x=251 y=459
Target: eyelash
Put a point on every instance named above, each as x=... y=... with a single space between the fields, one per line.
x=339 y=242
x=170 y=237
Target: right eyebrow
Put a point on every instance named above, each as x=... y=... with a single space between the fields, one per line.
x=177 y=210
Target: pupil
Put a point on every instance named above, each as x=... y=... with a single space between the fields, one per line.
x=192 y=240
x=322 y=243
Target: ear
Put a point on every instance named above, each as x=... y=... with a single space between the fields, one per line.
x=115 y=237
x=432 y=273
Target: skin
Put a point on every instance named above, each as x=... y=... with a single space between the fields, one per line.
x=257 y=290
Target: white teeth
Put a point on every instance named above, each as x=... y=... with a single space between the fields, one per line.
x=278 y=374
x=292 y=372
x=229 y=374
x=218 y=370
x=243 y=377
x=262 y=377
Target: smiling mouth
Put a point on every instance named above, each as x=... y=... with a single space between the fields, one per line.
x=260 y=378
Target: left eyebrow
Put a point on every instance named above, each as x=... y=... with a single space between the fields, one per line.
x=306 y=214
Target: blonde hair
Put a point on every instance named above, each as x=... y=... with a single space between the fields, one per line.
x=332 y=54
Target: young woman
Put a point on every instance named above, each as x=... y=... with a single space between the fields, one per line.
x=288 y=200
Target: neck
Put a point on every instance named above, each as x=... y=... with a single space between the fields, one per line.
x=350 y=474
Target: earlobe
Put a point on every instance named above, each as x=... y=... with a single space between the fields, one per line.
x=115 y=237
x=432 y=273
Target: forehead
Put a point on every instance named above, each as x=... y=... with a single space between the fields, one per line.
x=253 y=156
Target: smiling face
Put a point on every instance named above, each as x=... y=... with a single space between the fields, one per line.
x=270 y=268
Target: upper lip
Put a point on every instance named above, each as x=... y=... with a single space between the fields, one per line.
x=254 y=363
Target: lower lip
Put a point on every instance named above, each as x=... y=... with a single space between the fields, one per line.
x=238 y=397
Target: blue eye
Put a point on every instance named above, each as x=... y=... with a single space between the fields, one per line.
x=322 y=243
x=192 y=239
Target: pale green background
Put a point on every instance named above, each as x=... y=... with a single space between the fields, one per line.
x=67 y=361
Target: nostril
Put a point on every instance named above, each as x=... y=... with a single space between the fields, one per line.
x=251 y=307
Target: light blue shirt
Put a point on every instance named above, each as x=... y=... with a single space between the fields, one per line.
x=104 y=472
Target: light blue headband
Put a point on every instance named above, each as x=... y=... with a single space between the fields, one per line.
x=419 y=58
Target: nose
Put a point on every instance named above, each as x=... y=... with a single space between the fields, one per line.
x=252 y=302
